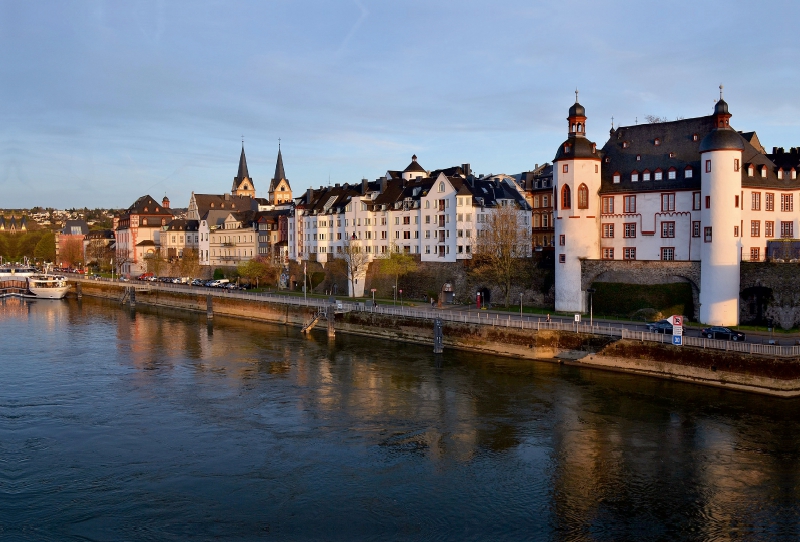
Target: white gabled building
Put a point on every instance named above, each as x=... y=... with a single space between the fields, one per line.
x=436 y=215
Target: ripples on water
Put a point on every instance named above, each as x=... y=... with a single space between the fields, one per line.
x=155 y=426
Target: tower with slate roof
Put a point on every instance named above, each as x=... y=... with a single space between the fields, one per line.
x=576 y=182
x=280 y=191
x=242 y=183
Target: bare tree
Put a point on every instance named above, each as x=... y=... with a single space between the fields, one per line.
x=397 y=264
x=99 y=253
x=356 y=261
x=189 y=264
x=655 y=119
x=500 y=247
x=71 y=252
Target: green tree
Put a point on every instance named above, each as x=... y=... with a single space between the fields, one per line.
x=397 y=264
x=46 y=247
x=257 y=270
x=219 y=274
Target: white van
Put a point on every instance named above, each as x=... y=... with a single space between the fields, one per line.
x=220 y=282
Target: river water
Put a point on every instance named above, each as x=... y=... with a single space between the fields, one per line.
x=156 y=426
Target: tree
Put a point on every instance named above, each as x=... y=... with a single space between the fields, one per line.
x=397 y=264
x=46 y=248
x=259 y=269
x=189 y=264
x=356 y=261
x=500 y=248
x=154 y=262
x=99 y=253
x=70 y=252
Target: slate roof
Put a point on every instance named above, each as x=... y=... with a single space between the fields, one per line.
x=414 y=166
x=280 y=174
x=183 y=224
x=146 y=205
x=100 y=234
x=81 y=225
x=207 y=202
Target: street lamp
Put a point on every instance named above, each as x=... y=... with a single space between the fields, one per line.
x=394 y=295
x=520 y=305
x=591 y=312
x=401 y=298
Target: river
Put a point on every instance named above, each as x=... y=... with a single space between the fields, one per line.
x=154 y=425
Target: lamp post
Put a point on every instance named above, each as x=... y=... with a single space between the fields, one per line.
x=394 y=295
x=520 y=305
x=305 y=282
x=591 y=311
x=112 y=269
x=401 y=298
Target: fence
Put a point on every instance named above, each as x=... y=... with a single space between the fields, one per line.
x=487 y=319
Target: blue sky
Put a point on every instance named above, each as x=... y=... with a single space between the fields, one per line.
x=102 y=102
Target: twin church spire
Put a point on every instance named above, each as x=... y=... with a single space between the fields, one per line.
x=280 y=191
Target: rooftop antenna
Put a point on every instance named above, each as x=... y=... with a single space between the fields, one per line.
x=637 y=120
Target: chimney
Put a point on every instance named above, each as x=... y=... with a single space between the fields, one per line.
x=364 y=186
x=165 y=202
x=383 y=184
x=309 y=195
x=227 y=196
x=466 y=169
x=337 y=185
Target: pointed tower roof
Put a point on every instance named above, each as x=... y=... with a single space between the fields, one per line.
x=280 y=174
x=242 y=166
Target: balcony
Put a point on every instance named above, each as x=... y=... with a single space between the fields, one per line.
x=228 y=244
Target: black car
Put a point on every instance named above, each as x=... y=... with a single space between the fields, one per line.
x=662 y=326
x=724 y=333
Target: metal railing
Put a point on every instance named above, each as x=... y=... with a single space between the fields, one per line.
x=487 y=319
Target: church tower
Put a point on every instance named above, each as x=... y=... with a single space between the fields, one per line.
x=242 y=183
x=721 y=216
x=280 y=191
x=576 y=184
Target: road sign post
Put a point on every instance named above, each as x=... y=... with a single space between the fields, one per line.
x=677 y=329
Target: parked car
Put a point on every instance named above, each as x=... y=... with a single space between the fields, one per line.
x=662 y=326
x=145 y=276
x=724 y=333
x=198 y=282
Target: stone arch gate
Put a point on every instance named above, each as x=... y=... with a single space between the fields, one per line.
x=643 y=272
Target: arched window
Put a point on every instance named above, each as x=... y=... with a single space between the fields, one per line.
x=583 y=197
x=580 y=127
x=566 y=198
x=441 y=186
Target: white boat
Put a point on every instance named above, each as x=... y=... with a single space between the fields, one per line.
x=48 y=286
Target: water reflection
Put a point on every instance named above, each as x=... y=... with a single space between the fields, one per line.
x=161 y=418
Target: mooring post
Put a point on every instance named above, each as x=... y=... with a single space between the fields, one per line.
x=209 y=307
x=78 y=290
x=331 y=320
x=438 y=336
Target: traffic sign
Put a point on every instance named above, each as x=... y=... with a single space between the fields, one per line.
x=578 y=318
x=677 y=340
x=373 y=290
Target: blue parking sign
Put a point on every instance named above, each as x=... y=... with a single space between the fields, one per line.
x=677 y=340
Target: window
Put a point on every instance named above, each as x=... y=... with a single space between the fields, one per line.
x=583 y=197
x=624 y=144
x=406 y=234
x=667 y=229
x=608 y=231
x=567 y=148
x=659 y=174
x=787 y=229
x=565 y=168
x=787 y=203
x=736 y=231
x=736 y=201
x=687 y=173
x=707 y=234
x=769 y=228
x=755 y=254
x=562 y=258
x=708 y=202
x=769 y=201
x=608 y=253
x=635 y=177
x=764 y=172
x=708 y=166
x=780 y=173
x=630 y=204
x=630 y=230
x=441 y=186
x=657 y=142
x=638 y=157
x=616 y=176
x=671 y=173
x=755 y=201
x=608 y=205
x=667 y=202
x=566 y=199
x=562 y=240
x=628 y=253
x=735 y=164
x=646 y=175
x=755 y=228
x=695 y=201
x=696 y=228
x=694 y=137
x=667 y=254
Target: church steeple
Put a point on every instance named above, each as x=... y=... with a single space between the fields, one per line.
x=242 y=183
x=280 y=191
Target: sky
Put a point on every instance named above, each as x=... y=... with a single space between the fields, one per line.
x=103 y=102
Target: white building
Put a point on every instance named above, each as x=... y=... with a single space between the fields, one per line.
x=692 y=189
x=436 y=215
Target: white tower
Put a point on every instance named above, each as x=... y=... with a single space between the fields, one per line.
x=720 y=256
x=576 y=183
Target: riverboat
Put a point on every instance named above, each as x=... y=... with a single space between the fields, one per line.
x=48 y=286
x=28 y=282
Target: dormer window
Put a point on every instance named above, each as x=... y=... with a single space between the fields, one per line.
x=212 y=204
x=594 y=148
x=638 y=157
x=671 y=172
x=793 y=173
x=672 y=155
x=750 y=170
x=657 y=142
x=567 y=148
x=145 y=209
x=625 y=144
x=659 y=174
x=635 y=176
x=608 y=159
x=764 y=172
x=646 y=175
x=694 y=137
x=780 y=173
x=616 y=176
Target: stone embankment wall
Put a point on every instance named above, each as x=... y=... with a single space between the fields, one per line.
x=716 y=368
